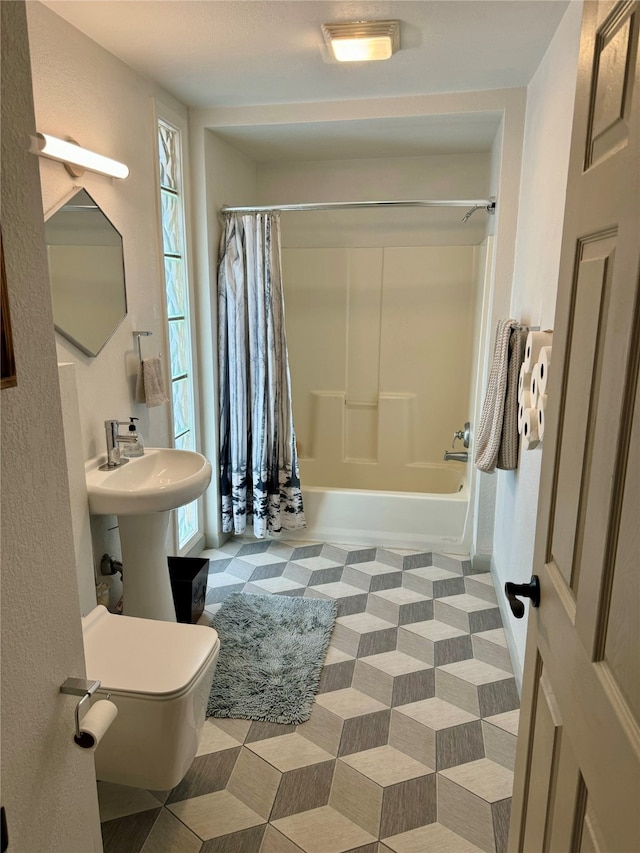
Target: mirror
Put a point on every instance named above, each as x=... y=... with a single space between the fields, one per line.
x=86 y=271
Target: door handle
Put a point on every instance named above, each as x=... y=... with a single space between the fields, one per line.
x=524 y=590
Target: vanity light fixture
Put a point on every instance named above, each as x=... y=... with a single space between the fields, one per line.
x=75 y=158
x=362 y=41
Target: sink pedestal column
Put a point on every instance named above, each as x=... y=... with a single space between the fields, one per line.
x=146 y=584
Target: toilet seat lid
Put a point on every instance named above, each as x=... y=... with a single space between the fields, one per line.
x=144 y=656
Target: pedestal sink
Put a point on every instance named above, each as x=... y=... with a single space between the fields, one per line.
x=142 y=493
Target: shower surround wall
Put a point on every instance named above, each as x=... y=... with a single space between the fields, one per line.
x=380 y=358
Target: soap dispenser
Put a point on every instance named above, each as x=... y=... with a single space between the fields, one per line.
x=135 y=447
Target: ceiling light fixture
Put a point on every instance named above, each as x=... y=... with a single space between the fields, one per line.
x=362 y=41
x=75 y=158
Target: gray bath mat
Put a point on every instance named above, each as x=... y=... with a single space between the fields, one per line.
x=272 y=648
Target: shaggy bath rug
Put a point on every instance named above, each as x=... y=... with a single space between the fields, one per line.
x=272 y=648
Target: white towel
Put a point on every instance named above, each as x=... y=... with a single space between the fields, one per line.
x=490 y=430
x=150 y=384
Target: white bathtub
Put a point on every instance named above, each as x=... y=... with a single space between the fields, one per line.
x=433 y=519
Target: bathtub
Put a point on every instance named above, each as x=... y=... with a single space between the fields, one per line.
x=432 y=519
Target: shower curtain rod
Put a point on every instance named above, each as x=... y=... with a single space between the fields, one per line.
x=487 y=204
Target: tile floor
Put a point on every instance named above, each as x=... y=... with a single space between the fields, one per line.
x=411 y=742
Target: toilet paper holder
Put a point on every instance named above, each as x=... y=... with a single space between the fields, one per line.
x=80 y=687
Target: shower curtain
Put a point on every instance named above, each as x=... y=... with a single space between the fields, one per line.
x=259 y=475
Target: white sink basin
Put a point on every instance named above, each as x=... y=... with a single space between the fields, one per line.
x=161 y=480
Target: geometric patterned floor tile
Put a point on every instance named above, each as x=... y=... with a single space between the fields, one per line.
x=237 y=729
x=500 y=735
x=221 y=585
x=275 y=586
x=349 y=599
x=306 y=772
x=394 y=678
x=169 y=835
x=302 y=552
x=289 y=752
x=215 y=739
x=216 y=814
x=254 y=782
x=257 y=566
x=129 y=832
x=207 y=773
x=454 y=563
x=244 y=841
x=437 y=733
x=477 y=687
x=384 y=790
x=433 y=581
x=434 y=838
x=400 y=605
x=491 y=647
x=368 y=763
x=346 y=555
x=474 y=800
x=508 y=721
x=119 y=800
x=314 y=570
x=263 y=729
x=434 y=642
x=404 y=559
x=385 y=765
x=346 y=721
x=337 y=672
x=275 y=842
x=467 y=612
x=325 y=829
x=218 y=560
x=481 y=585
x=363 y=634
x=372 y=577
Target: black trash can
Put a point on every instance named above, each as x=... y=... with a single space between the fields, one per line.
x=189 y=586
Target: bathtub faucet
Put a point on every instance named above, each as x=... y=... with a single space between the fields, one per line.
x=457 y=456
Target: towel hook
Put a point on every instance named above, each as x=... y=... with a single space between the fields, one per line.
x=139 y=335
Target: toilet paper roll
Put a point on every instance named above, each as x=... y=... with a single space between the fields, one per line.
x=94 y=724
x=541 y=409
x=530 y=438
x=523 y=405
x=535 y=342
x=544 y=360
x=524 y=382
x=534 y=390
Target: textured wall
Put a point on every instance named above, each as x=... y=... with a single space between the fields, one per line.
x=82 y=91
x=438 y=176
x=543 y=184
x=48 y=786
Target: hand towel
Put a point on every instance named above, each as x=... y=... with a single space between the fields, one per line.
x=509 y=443
x=150 y=384
x=490 y=429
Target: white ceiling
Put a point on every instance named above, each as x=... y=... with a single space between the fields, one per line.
x=220 y=53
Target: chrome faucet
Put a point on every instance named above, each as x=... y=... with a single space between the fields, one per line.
x=456 y=456
x=114 y=439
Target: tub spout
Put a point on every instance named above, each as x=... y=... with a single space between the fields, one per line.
x=456 y=456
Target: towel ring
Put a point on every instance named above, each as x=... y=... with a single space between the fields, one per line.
x=139 y=335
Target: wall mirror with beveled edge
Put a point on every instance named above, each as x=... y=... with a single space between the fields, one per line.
x=86 y=272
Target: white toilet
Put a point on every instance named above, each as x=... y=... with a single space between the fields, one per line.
x=159 y=675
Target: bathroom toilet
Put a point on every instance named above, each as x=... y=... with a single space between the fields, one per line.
x=159 y=675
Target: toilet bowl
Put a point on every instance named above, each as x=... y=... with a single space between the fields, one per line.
x=159 y=675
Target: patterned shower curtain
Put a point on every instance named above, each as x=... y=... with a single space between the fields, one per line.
x=259 y=475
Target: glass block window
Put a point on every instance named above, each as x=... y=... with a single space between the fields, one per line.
x=177 y=291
